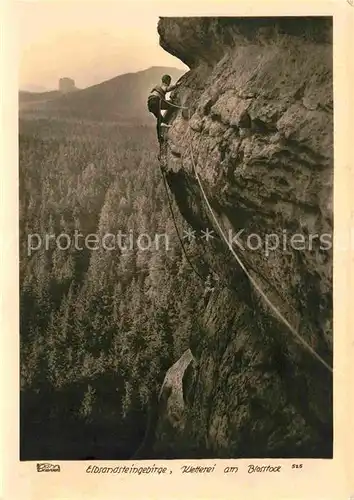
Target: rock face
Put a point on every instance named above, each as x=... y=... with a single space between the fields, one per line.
x=259 y=133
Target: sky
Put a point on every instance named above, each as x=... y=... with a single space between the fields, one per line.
x=89 y=42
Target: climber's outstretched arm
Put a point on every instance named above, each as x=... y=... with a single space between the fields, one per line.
x=173 y=87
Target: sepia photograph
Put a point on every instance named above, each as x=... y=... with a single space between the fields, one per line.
x=175 y=235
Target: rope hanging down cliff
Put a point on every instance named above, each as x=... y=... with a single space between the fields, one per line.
x=171 y=207
x=237 y=258
x=249 y=276
x=172 y=212
x=176 y=227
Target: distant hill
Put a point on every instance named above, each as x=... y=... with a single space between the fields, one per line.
x=120 y=98
x=35 y=88
x=26 y=96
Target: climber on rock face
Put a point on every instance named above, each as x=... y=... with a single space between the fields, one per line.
x=157 y=102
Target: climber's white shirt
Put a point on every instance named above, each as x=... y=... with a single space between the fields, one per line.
x=161 y=90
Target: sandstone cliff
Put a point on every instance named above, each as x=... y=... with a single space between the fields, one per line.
x=259 y=131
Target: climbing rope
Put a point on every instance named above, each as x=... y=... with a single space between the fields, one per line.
x=176 y=227
x=175 y=223
x=227 y=285
x=249 y=276
x=170 y=201
x=170 y=103
x=237 y=258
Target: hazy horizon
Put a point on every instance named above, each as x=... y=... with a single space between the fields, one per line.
x=89 y=42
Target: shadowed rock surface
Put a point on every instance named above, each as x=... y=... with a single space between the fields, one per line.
x=260 y=132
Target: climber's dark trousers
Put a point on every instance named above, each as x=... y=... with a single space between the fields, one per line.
x=155 y=105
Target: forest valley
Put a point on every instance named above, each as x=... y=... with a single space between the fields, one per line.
x=99 y=328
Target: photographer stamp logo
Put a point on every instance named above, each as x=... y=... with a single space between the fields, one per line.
x=46 y=467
